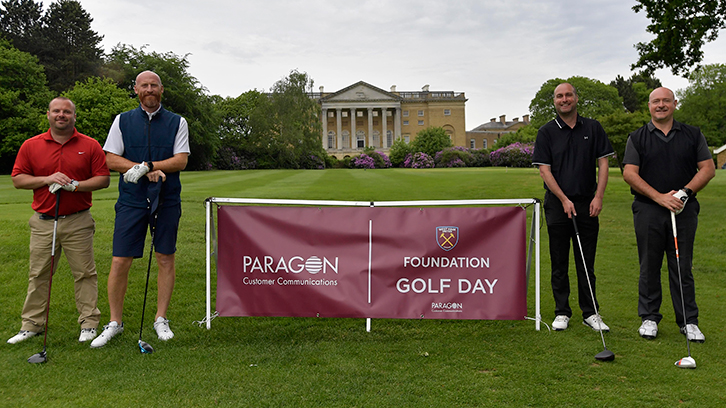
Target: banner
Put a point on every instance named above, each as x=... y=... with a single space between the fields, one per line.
x=439 y=263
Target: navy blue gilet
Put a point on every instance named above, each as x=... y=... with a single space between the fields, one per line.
x=149 y=140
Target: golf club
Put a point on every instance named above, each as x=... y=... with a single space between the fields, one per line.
x=42 y=357
x=605 y=355
x=144 y=347
x=685 y=362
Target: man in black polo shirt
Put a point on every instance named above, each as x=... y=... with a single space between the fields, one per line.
x=567 y=151
x=664 y=161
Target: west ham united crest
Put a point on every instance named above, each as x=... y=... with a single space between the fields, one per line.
x=447 y=237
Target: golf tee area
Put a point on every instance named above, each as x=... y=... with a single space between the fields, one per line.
x=330 y=362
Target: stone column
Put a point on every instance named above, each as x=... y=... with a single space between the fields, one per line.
x=397 y=124
x=325 y=129
x=370 y=127
x=339 y=119
x=353 y=119
x=384 y=128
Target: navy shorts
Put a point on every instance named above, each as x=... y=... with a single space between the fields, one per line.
x=132 y=224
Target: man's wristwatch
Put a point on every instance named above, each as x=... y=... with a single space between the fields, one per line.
x=150 y=165
x=688 y=191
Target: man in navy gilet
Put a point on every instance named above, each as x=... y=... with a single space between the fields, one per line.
x=148 y=145
x=666 y=164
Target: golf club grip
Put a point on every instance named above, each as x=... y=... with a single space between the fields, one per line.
x=673 y=224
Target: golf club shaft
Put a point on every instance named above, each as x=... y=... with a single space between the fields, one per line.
x=148 y=272
x=52 y=267
x=680 y=281
x=589 y=285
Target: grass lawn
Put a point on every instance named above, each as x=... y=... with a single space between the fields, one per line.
x=309 y=362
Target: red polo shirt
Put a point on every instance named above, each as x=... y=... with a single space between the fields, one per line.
x=80 y=158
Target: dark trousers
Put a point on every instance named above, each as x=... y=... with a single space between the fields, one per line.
x=654 y=234
x=561 y=232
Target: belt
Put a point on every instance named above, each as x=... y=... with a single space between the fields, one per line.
x=46 y=217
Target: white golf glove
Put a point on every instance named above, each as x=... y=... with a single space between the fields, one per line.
x=72 y=186
x=135 y=173
x=683 y=196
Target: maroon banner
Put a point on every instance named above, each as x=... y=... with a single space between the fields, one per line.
x=440 y=263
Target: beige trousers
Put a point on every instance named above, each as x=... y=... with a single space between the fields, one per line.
x=74 y=237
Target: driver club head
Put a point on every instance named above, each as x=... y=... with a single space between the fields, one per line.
x=686 y=362
x=605 y=355
x=38 y=358
x=145 y=347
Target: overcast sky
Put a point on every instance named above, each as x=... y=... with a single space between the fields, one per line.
x=499 y=52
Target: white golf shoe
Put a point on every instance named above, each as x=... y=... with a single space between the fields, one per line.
x=162 y=329
x=560 y=322
x=694 y=333
x=109 y=331
x=22 y=336
x=595 y=322
x=649 y=329
x=87 y=335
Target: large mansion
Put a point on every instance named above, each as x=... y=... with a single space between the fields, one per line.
x=363 y=115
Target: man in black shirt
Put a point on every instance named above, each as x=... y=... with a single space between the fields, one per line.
x=567 y=151
x=664 y=161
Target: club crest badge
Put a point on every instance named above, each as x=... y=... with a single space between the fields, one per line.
x=447 y=237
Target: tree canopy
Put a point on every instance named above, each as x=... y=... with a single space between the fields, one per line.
x=431 y=140
x=703 y=103
x=596 y=99
x=24 y=99
x=681 y=28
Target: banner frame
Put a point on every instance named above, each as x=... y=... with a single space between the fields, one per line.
x=534 y=233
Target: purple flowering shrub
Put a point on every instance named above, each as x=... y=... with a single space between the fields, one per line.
x=418 y=160
x=514 y=155
x=364 y=162
x=457 y=156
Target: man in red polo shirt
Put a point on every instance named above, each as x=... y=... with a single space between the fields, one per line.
x=61 y=161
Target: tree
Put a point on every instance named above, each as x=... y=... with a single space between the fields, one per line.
x=71 y=49
x=431 y=140
x=24 y=99
x=399 y=150
x=618 y=126
x=288 y=125
x=636 y=90
x=525 y=134
x=183 y=94
x=20 y=23
x=595 y=99
x=61 y=38
x=681 y=28
x=98 y=101
x=703 y=102
x=236 y=130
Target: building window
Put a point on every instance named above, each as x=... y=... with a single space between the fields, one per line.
x=405 y=114
x=331 y=114
x=344 y=114
x=376 y=136
x=389 y=113
x=484 y=144
x=472 y=144
x=447 y=112
x=361 y=139
x=375 y=114
x=420 y=122
x=331 y=139
x=420 y=113
x=346 y=139
x=406 y=138
x=359 y=114
x=389 y=138
x=405 y=123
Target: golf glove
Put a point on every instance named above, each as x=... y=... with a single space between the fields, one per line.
x=135 y=173
x=72 y=186
x=683 y=196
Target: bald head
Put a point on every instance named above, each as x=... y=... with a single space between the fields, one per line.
x=662 y=104
x=149 y=89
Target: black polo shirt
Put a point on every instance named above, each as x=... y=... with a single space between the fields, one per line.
x=666 y=162
x=572 y=154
